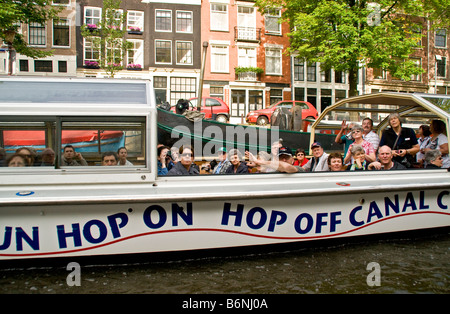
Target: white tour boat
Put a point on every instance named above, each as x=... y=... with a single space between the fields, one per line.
x=54 y=211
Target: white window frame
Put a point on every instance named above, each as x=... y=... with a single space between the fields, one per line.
x=191 y=52
x=95 y=9
x=163 y=30
x=220 y=50
x=271 y=58
x=136 y=19
x=91 y=47
x=189 y=31
x=163 y=40
x=417 y=77
x=247 y=56
x=138 y=55
x=268 y=15
x=219 y=18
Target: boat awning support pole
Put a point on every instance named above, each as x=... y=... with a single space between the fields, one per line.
x=202 y=74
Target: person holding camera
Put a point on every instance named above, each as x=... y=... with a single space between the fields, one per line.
x=164 y=160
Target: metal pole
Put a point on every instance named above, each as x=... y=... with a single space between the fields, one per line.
x=202 y=73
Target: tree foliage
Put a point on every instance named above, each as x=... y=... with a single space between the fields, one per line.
x=108 y=37
x=348 y=34
x=13 y=13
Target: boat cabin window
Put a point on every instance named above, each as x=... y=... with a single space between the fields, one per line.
x=63 y=142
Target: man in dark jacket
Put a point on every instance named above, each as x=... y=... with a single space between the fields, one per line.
x=385 y=160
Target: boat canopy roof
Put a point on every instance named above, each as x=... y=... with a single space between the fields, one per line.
x=71 y=93
x=415 y=110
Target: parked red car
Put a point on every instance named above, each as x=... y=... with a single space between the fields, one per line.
x=262 y=116
x=210 y=106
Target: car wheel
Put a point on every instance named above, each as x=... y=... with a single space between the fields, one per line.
x=222 y=118
x=262 y=120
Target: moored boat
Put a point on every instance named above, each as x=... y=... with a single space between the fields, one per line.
x=55 y=212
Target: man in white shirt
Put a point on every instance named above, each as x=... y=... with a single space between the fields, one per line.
x=319 y=161
x=369 y=134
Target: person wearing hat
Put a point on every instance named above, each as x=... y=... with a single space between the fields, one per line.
x=283 y=164
x=224 y=163
x=319 y=161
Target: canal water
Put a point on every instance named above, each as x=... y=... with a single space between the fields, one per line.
x=405 y=265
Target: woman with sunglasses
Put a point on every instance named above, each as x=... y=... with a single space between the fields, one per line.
x=357 y=133
x=185 y=166
x=301 y=159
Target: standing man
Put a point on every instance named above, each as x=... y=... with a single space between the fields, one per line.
x=319 y=161
x=369 y=134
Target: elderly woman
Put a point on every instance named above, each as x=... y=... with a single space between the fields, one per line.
x=357 y=134
x=433 y=159
x=28 y=154
x=186 y=164
x=439 y=141
x=16 y=160
x=238 y=165
x=401 y=140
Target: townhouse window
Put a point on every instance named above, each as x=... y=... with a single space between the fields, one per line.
x=216 y=91
x=184 y=52
x=339 y=77
x=311 y=72
x=247 y=57
x=325 y=76
x=61 y=33
x=441 y=38
x=160 y=87
x=92 y=15
x=441 y=65
x=116 y=18
x=299 y=69
x=182 y=88
x=271 y=20
x=163 y=51
x=276 y=95
x=36 y=34
x=416 y=77
x=273 y=61
x=219 y=17
x=115 y=51
x=61 y=2
x=62 y=66
x=91 y=51
x=219 y=58
x=43 y=66
x=379 y=73
x=23 y=65
x=184 y=22
x=163 y=21
x=135 y=55
x=135 y=19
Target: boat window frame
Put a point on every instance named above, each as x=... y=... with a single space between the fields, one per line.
x=13 y=122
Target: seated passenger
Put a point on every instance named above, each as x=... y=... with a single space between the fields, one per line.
x=16 y=160
x=123 y=154
x=301 y=159
x=283 y=163
x=71 y=158
x=48 y=157
x=335 y=162
x=163 y=160
x=433 y=159
x=186 y=164
x=2 y=157
x=385 y=160
x=109 y=159
x=359 y=158
x=223 y=164
x=238 y=165
x=319 y=161
x=28 y=153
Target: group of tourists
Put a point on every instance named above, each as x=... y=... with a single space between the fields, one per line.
x=398 y=148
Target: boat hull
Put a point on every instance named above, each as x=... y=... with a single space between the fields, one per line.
x=68 y=229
